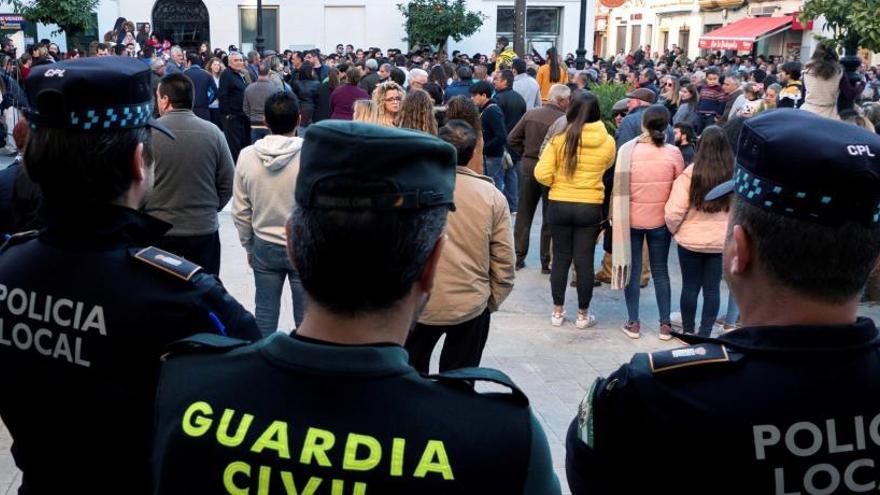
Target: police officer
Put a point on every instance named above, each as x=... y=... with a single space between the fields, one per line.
x=335 y=407
x=86 y=306
x=790 y=402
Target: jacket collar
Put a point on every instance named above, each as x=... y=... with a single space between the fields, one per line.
x=805 y=339
x=466 y=171
x=102 y=226
x=341 y=360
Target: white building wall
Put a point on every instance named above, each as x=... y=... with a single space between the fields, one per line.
x=306 y=23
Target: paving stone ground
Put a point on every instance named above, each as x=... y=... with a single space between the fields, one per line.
x=554 y=366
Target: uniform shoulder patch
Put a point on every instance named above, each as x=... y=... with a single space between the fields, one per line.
x=167 y=262
x=470 y=375
x=18 y=238
x=695 y=355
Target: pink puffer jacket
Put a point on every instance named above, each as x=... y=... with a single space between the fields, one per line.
x=694 y=230
x=653 y=172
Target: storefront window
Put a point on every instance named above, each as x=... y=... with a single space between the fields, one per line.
x=248 y=28
x=542 y=26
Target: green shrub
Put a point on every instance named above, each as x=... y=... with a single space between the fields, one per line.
x=608 y=94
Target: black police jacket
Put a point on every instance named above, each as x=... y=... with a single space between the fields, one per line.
x=293 y=415
x=778 y=410
x=85 y=315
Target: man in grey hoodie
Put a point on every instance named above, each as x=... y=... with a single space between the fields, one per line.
x=265 y=178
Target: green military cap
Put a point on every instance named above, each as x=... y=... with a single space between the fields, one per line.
x=356 y=166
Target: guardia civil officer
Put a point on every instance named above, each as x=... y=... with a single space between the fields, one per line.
x=335 y=407
x=790 y=402
x=86 y=306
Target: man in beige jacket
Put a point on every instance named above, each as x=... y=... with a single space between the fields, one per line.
x=476 y=271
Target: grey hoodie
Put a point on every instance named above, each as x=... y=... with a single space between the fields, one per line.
x=262 y=195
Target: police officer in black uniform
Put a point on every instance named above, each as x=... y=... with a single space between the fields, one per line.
x=86 y=306
x=789 y=403
x=336 y=408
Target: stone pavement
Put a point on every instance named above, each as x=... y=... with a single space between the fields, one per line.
x=554 y=366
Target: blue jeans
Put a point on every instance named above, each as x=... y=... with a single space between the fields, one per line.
x=658 y=252
x=271 y=266
x=699 y=271
x=732 y=310
x=511 y=186
x=494 y=167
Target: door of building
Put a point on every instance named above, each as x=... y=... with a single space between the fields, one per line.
x=621 y=39
x=185 y=22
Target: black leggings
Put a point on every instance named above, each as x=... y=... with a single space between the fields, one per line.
x=574 y=228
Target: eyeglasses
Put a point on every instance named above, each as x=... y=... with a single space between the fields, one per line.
x=670 y=85
x=393 y=98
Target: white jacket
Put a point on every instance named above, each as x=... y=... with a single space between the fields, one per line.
x=262 y=195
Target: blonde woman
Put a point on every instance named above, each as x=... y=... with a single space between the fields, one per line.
x=417 y=112
x=669 y=94
x=387 y=100
x=364 y=111
x=215 y=67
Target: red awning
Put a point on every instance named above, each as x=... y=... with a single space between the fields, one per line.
x=744 y=33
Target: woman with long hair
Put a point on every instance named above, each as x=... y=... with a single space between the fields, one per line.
x=669 y=94
x=823 y=78
x=364 y=112
x=700 y=227
x=215 y=67
x=462 y=108
x=436 y=85
x=388 y=99
x=572 y=166
x=643 y=177
x=553 y=72
x=417 y=112
x=305 y=87
x=688 y=101
x=322 y=104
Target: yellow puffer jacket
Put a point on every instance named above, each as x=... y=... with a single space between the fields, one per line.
x=595 y=156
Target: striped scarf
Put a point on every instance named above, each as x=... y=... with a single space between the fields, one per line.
x=621 y=244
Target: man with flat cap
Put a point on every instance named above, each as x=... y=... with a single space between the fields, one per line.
x=336 y=408
x=789 y=403
x=86 y=306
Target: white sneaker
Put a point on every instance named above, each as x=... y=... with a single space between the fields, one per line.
x=585 y=320
x=557 y=319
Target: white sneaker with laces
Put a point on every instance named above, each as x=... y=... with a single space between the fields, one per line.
x=585 y=320
x=556 y=319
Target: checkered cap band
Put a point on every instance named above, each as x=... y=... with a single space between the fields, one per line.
x=791 y=201
x=102 y=119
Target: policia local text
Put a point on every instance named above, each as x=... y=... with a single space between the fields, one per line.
x=47 y=315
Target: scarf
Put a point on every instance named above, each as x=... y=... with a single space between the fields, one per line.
x=621 y=243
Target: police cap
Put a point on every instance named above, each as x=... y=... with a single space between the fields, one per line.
x=800 y=165
x=93 y=94
x=356 y=166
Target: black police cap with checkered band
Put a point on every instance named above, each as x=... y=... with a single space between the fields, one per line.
x=94 y=94
x=804 y=166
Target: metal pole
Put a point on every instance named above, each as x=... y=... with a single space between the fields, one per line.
x=519 y=27
x=581 y=51
x=260 y=42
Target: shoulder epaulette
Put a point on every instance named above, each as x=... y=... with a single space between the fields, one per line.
x=683 y=357
x=166 y=262
x=203 y=343
x=18 y=238
x=468 y=376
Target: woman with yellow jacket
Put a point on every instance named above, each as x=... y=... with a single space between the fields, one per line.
x=572 y=166
x=553 y=72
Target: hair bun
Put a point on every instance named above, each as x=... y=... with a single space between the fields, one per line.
x=658 y=137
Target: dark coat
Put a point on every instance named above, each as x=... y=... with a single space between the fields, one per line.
x=231 y=93
x=322 y=103
x=458 y=88
x=494 y=132
x=514 y=107
x=306 y=92
x=204 y=91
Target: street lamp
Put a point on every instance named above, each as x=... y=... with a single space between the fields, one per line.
x=260 y=42
x=581 y=60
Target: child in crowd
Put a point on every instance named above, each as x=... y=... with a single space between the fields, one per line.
x=712 y=99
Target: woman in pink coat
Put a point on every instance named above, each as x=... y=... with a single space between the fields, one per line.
x=700 y=227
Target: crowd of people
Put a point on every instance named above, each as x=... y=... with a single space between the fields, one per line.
x=395 y=193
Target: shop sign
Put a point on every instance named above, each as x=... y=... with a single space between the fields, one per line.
x=11 y=22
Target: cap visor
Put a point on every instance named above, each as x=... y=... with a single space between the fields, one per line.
x=720 y=191
x=161 y=128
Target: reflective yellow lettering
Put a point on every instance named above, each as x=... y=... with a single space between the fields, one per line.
x=196 y=426
x=338 y=487
x=397 y=446
x=274 y=438
x=223 y=429
x=230 y=472
x=316 y=445
x=434 y=449
x=360 y=488
x=263 y=483
x=351 y=462
x=290 y=487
